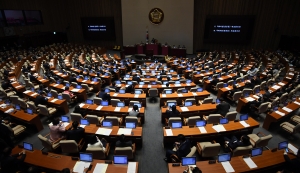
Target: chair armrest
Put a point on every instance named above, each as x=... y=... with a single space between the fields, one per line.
x=228 y=147
x=213 y=142
x=54 y=142
x=81 y=143
x=139 y=121
x=185 y=121
x=174 y=158
x=47 y=135
x=107 y=148
x=204 y=117
x=121 y=120
x=260 y=133
x=133 y=147
x=167 y=121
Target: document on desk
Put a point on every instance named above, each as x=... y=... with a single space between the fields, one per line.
x=33 y=94
x=280 y=113
x=287 y=109
x=82 y=126
x=100 y=168
x=195 y=94
x=164 y=95
x=219 y=128
x=129 y=109
x=131 y=167
x=117 y=109
x=275 y=87
x=184 y=109
x=250 y=99
x=141 y=86
x=56 y=85
x=84 y=81
x=136 y=95
x=115 y=94
x=228 y=88
x=93 y=82
x=280 y=83
x=103 y=131
x=81 y=105
x=297 y=103
x=293 y=148
x=257 y=97
x=124 y=131
x=177 y=85
x=227 y=166
x=202 y=129
x=65 y=124
x=179 y=95
x=169 y=132
x=80 y=166
x=18 y=86
x=220 y=78
x=99 y=108
x=188 y=84
x=164 y=86
x=54 y=100
x=75 y=90
x=250 y=162
x=244 y=123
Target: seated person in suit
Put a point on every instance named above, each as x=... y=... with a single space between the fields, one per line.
x=291 y=165
x=113 y=86
x=104 y=95
x=67 y=91
x=95 y=142
x=77 y=110
x=33 y=78
x=223 y=107
x=6 y=85
x=41 y=99
x=11 y=163
x=267 y=94
x=73 y=78
x=182 y=148
x=214 y=81
x=130 y=88
x=75 y=133
x=233 y=143
x=231 y=92
x=136 y=78
x=172 y=112
x=135 y=111
x=57 y=130
x=163 y=72
x=122 y=142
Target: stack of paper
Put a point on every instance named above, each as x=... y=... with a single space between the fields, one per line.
x=227 y=88
x=297 y=103
x=220 y=78
x=275 y=87
x=219 y=128
x=131 y=167
x=227 y=166
x=202 y=129
x=54 y=100
x=256 y=96
x=149 y=86
x=80 y=166
x=103 y=131
x=188 y=84
x=169 y=132
x=177 y=85
x=115 y=94
x=184 y=109
x=66 y=124
x=75 y=90
x=195 y=94
x=280 y=113
x=9 y=110
x=56 y=85
x=136 y=96
x=164 y=86
x=294 y=149
x=100 y=168
x=250 y=99
x=244 y=124
x=287 y=109
x=280 y=83
x=18 y=86
x=164 y=95
x=141 y=86
x=124 y=131
x=117 y=109
x=33 y=94
x=179 y=95
x=250 y=163
x=93 y=82
x=129 y=109
x=81 y=105
x=82 y=126
x=99 y=108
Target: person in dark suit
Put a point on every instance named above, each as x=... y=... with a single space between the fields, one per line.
x=223 y=107
x=130 y=88
x=214 y=81
x=292 y=165
x=32 y=78
x=233 y=143
x=40 y=99
x=231 y=92
x=163 y=72
x=77 y=110
x=73 y=78
x=122 y=142
x=113 y=86
x=11 y=163
x=172 y=112
x=6 y=85
x=267 y=94
x=183 y=148
x=136 y=78
x=104 y=95
x=76 y=133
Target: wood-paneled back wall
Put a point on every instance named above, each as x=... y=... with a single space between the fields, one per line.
x=273 y=19
x=65 y=16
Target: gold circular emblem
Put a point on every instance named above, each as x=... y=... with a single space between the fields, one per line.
x=156 y=16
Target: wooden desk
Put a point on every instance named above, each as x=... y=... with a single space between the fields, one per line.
x=273 y=117
x=179 y=98
x=231 y=129
x=18 y=87
x=204 y=109
x=268 y=160
x=96 y=85
x=225 y=90
x=81 y=94
x=56 y=162
x=127 y=97
x=221 y=79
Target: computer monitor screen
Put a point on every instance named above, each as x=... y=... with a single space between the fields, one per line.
x=147 y=76
x=78 y=86
x=104 y=103
x=223 y=121
x=157 y=77
x=127 y=76
x=67 y=84
x=218 y=101
x=199 y=89
x=130 y=125
x=177 y=82
x=86 y=78
x=84 y=122
x=165 y=82
x=257 y=91
x=246 y=94
x=188 y=103
x=176 y=124
x=32 y=89
x=188 y=161
x=256 y=151
x=95 y=80
x=121 y=91
x=225 y=85
x=29 y=111
x=106 y=123
x=60 y=97
x=168 y=91
x=86 y=157
x=120 y=104
x=171 y=71
x=58 y=82
x=137 y=92
x=107 y=90
x=118 y=82
x=224 y=157
x=283 y=145
x=138 y=104
x=120 y=160
x=106 y=74
x=89 y=101
x=209 y=78
x=275 y=108
x=188 y=81
x=244 y=117
x=64 y=118
x=129 y=82
x=27 y=146
x=170 y=104
x=142 y=83
x=184 y=91
x=18 y=107
x=153 y=83
x=200 y=123
x=234 y=82
x=198 y=72
x=49 y=95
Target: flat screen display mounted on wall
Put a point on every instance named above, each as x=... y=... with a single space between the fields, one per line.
x=33 y=17
x=225 y=29
x=98 y=28
x=14 y=17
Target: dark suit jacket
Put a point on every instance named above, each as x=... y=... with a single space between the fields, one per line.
x=123 y=144
x=73 y=79
x=40 y=100
x=223 y=108
x=214 y=82
x=135 y=78
x=104 y=96
x=184 y=149
x=129 y=89
x=292 y=165
x=173 y=114
x=12 y=164
x=75 y=134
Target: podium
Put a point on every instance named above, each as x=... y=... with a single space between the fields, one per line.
x=165 y=50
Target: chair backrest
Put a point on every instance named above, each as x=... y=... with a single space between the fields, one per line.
x=127 y=151
x=207 y=100
x=114 y=102
x=179 y=90
x=230 y=82
x=237 y=95
x=255 y=88
x=191 y=121
x=263 y=141
x=97 y=100
x=247 y=90
x=283 y=97
x=74 y=84
x=86 y=87
x=173 y=119
x=240 y=151
x=220 y=85
x=66 y=97
x=213 y=118
x=76 y=117
x=210 y=150
x=112 y=90
x=231 y=115
x=113 y=119
x=45 y=142
x=23 y=104
x=263 y=107
x=97 y=152
x=43 y=110
x=14 y=99
x=32 y=106
x=194 y=89
x=263 y=85
x=131 y=103
x=296 y=128
x=68 y=146
x=131 y=119
x=54 y=93
x=192 y=152
x=93 y=119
